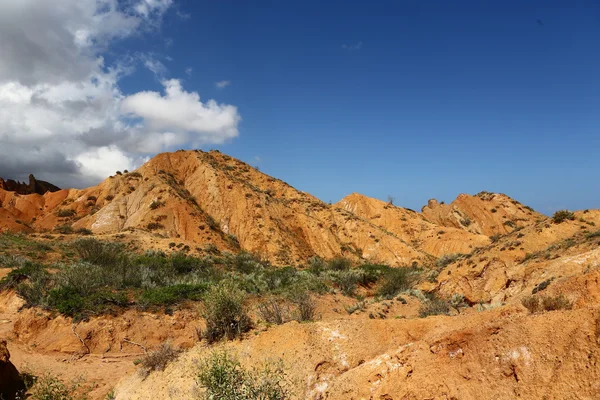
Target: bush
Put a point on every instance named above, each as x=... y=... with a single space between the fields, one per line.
x=158 y=359
x=64 y=229
x=65 y=212
x=48 y=387
x=98 y=252
x=225 y=314
x=372 y=273
x=537 y=304
x=224 y=378
x=396 y=280
x=305 y=305
x=166 y=296
x=84 y=231
x=156 y=204
x=339 y=264
x=154 y=225
x=562 y=215
x=446 y=260
x=434 y=307
x=273 y=312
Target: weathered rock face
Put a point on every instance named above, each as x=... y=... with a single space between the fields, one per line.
x=208 y=198
x=11 y=383
x=34 y=186
x=485 y=213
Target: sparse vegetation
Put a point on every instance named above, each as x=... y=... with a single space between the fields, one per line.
x=158 y=359
x=223 y=377
x=396 y=280
x=152 y=226
x=537 y=304
x=225 y=313
x=273 y=311
x=156 y=204
x=563 y=215
x=434 y=306
x=49 y=387
x=65 y=213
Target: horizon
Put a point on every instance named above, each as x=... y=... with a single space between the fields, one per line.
x=383 y=99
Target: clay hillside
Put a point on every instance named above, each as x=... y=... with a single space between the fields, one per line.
x=203 y=198
x=199 y=277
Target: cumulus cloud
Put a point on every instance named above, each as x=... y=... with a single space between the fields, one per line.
x=222 y=84
x=63 y=115
x=182 y=112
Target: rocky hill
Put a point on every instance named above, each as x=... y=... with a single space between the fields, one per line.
x=202 y=198
x=34 y=186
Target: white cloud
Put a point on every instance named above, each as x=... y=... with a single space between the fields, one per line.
x=188 y=71
x=222 y=84
x=101 y=162
x=154 y=65
x=352 y=47
x=182 y=112
x=61 y=106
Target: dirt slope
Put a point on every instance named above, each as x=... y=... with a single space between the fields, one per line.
x=210 y=198
x=519 y=261
x=485 y=213
x=499 y=354
x=412 y=227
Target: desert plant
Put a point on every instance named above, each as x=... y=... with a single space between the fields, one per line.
x=305 y=305
x=64 y=229
x=225 y=313
x=434 y=307
x=339 y=264
x=562 y=215
x=158 y=359
x=553 y=303
x=65 y=212
x=151 y=226
x=49 y=387
x=546 y=303
x=156 y=204
x=358 y=306
x=223 y=377
x=396 y=280
x=447 y=259
x=273 y=311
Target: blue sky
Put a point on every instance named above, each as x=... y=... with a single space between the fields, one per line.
x=414 y=99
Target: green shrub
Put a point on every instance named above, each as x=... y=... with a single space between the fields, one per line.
x=97 y=252
x=225 y=313
x=48 y=387
x=154 y=226
x=305 y=305
x=434 y=307
x=273 y=311
x=169 y=295
x=158 y=359
x=64 y=229
x=396 y=280
x=65 y=212
x=562 y=215
x=224 y=378
x=546 y=303
x=156 y=204
x=339 y=264
x=446 y=260
x=372 y=273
